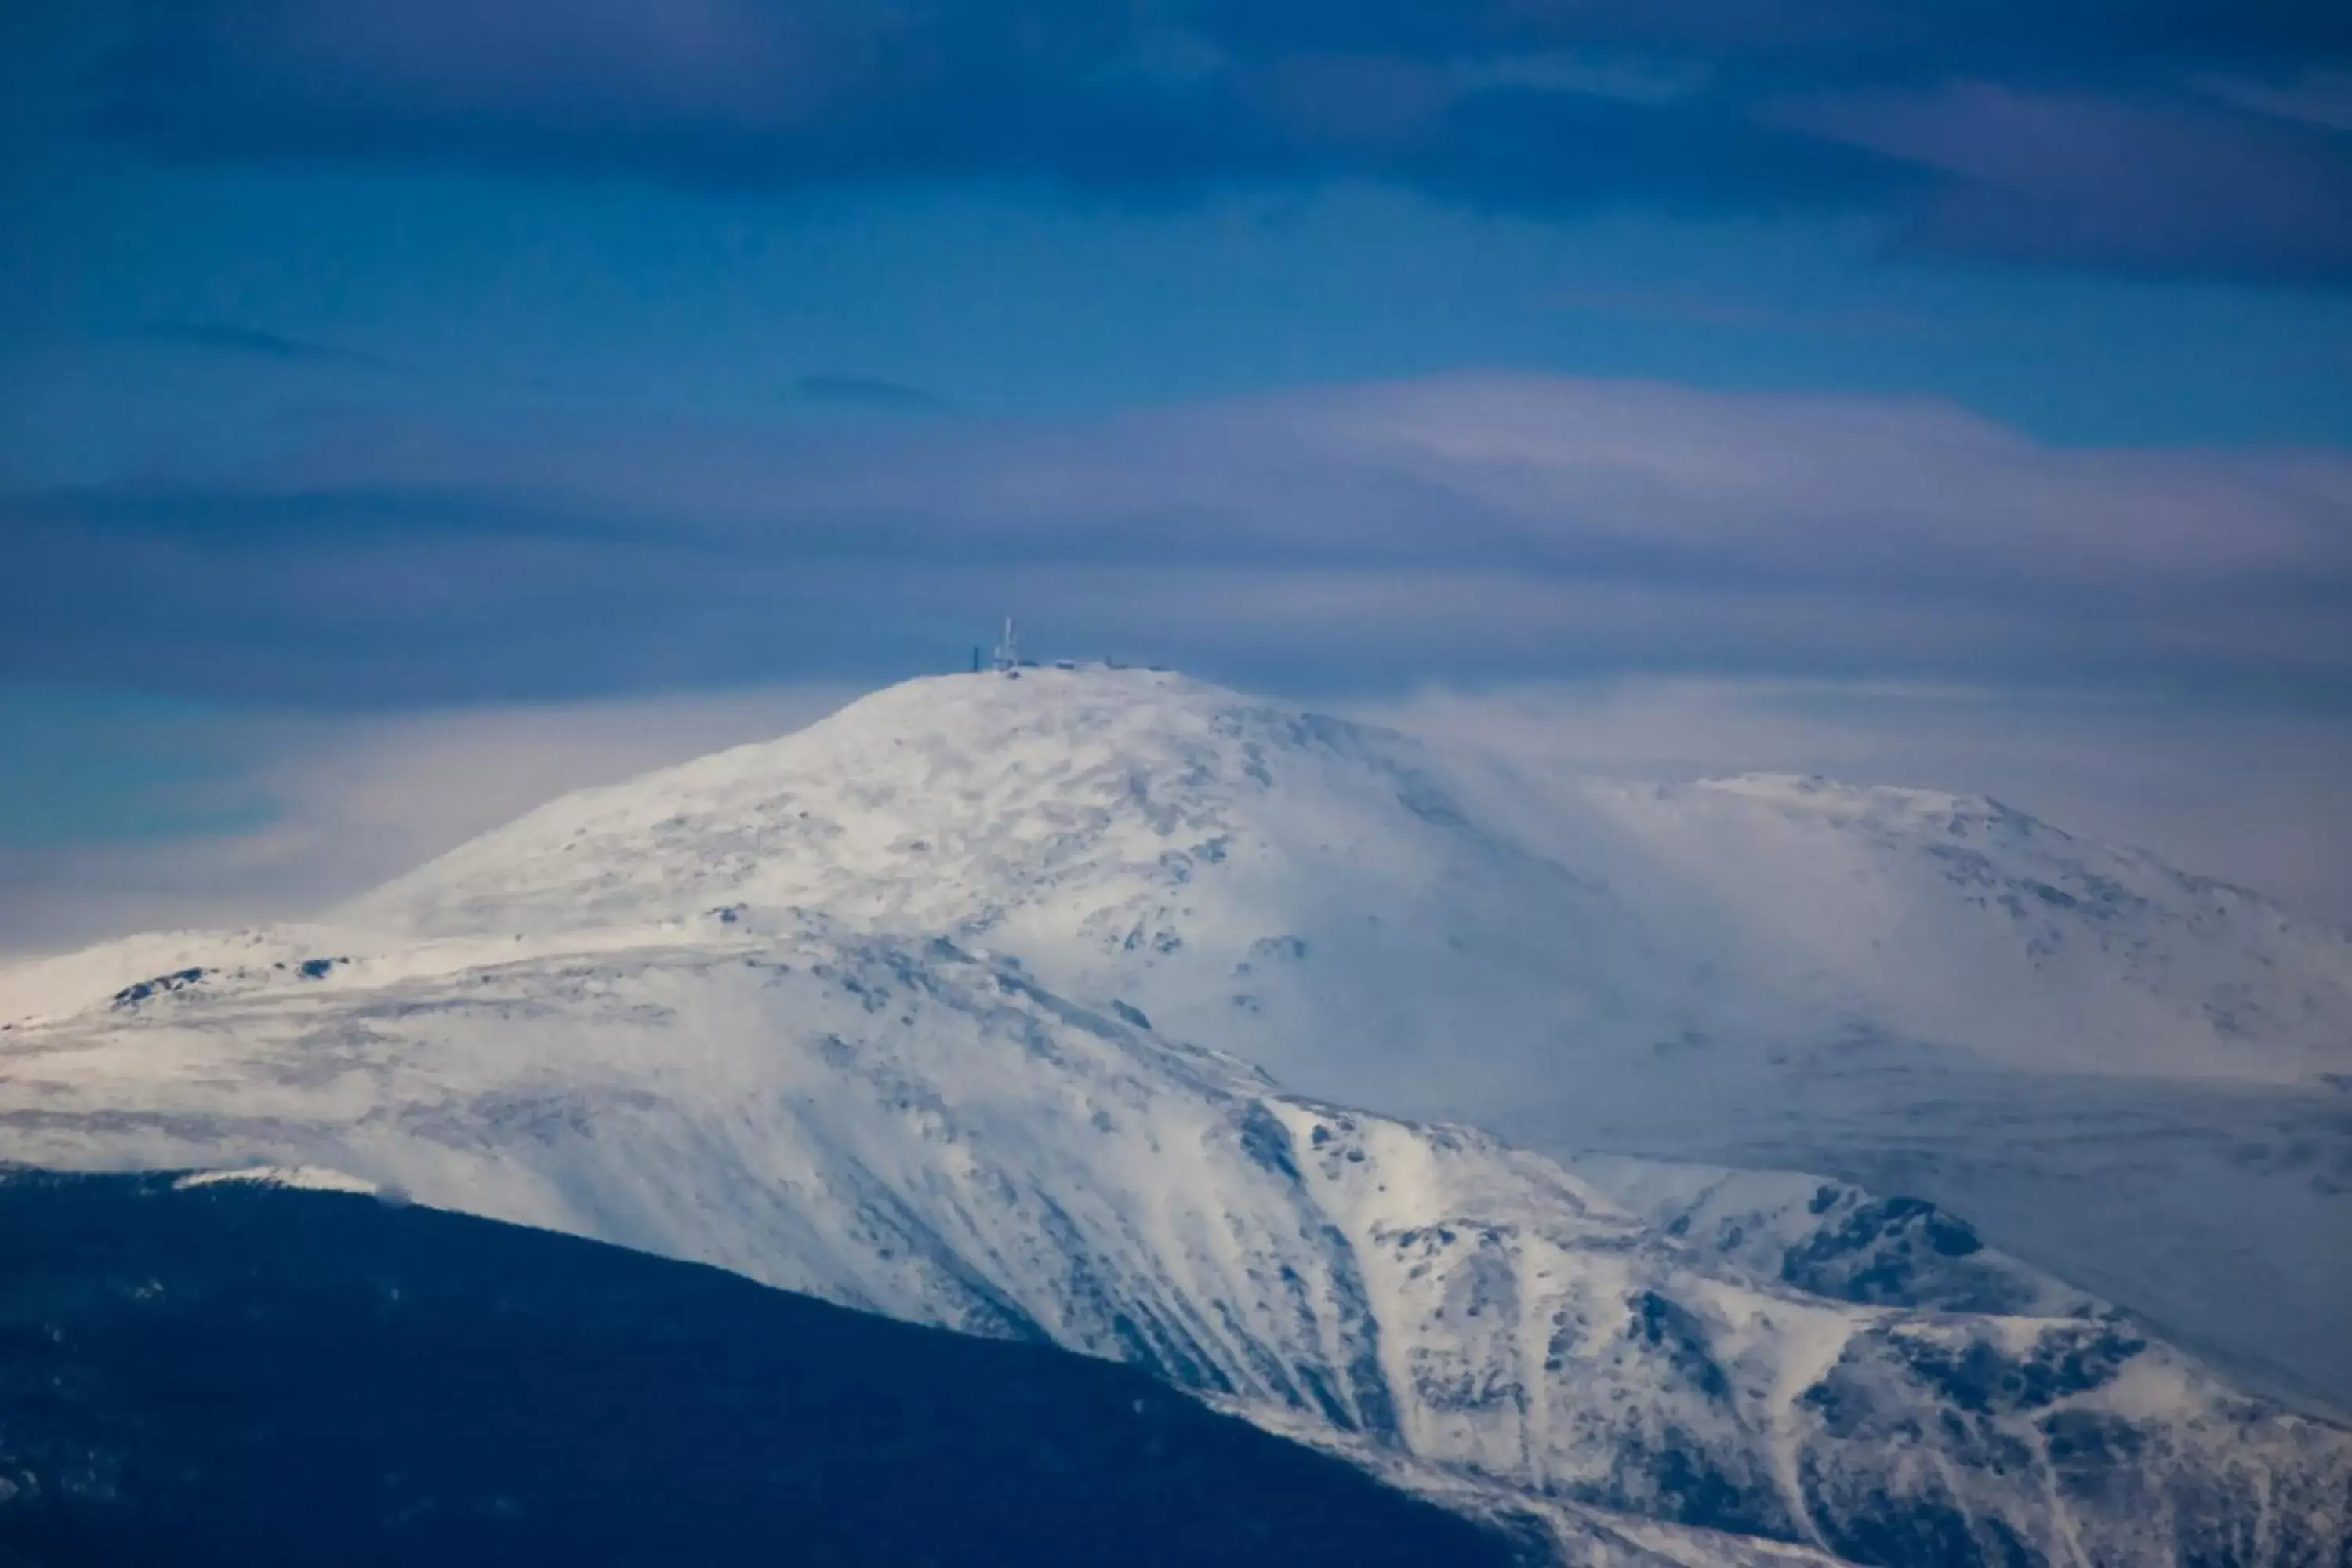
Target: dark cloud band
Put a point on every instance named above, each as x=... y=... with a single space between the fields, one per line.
x=2175 y=136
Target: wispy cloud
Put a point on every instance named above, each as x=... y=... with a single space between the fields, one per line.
x=2139 y=182
x=2316 y=97
x=870 y=392
x=254 y=342
x=2251 y=795
x=1709 y=309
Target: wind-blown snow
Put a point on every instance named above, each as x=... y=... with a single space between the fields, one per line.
x=895 y=1011
x=297 y=1178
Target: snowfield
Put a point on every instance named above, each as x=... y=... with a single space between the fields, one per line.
x=2140 y=1080
x=960 y=1007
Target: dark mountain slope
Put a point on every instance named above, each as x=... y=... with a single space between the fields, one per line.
x=244 y=1373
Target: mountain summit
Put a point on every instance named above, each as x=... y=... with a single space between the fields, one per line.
x=1122 y=833
x=1127 y=827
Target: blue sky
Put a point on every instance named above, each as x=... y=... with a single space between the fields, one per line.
x=360 y=360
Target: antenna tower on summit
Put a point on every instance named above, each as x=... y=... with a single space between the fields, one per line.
x=1008 y=649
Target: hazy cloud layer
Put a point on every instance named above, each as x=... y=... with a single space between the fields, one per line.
x=1462 y=526
x=346 y=803
x=2251 y=795
x=2255 y=797
x=2189 y=136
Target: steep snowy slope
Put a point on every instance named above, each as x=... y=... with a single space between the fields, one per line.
x=2133 y=1078
x=897 y=1124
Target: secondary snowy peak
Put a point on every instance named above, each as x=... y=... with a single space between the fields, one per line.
x=1958 y=918
x=902 y=1125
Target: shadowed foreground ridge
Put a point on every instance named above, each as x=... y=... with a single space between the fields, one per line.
x=246 y=1373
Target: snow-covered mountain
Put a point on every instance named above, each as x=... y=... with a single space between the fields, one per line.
x=2140 y=1080
x=955 y=1007
x=900 y=1125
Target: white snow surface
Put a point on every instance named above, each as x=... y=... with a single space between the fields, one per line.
x=1136 y=828
x=870 y=1012
x=897 y=1125
x=2139 y=1079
